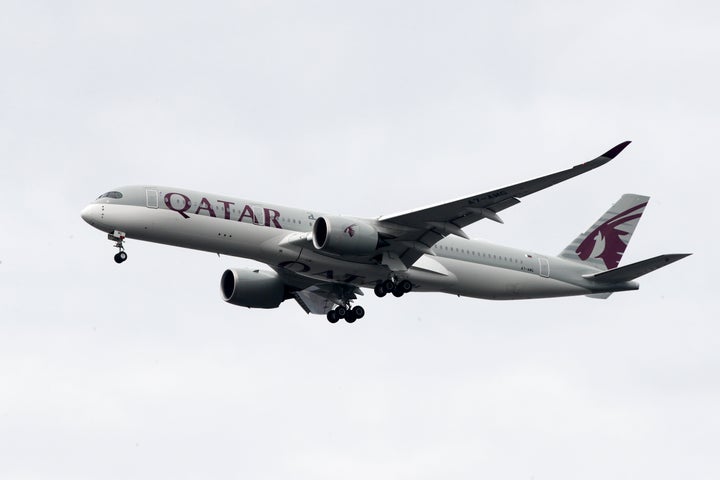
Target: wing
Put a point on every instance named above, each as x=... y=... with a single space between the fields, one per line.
x=411 y=234
x=316 y=296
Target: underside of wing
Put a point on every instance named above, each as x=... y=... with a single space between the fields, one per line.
x=317 y=297
x=412 y=234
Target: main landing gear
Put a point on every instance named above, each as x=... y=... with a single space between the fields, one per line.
x=397 y=288
x=118 y=237
x=349 y=314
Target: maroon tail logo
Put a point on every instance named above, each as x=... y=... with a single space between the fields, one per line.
x=605 y=241
x=350 y=230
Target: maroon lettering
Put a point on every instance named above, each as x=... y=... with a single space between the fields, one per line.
x=226 y=204
x=205 y=205
x=173 y=203
x=272 y=216
x=247 y=212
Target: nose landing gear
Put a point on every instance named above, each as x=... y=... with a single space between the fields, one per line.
x=118 y=237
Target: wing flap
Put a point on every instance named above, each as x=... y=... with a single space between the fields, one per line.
x=315 y=296
x=313 y=302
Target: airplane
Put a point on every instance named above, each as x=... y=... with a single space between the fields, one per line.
x=324 y=261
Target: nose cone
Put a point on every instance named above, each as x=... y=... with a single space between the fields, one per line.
x=91 y=214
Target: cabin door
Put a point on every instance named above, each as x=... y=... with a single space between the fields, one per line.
x=544 y=267
x=152 y=198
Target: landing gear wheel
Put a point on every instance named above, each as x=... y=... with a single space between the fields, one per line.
x=350 y=317
x=358 y=312
x=118 y=237
x=389 y=285
x=380 y=290
x=405 y=286
x=398 y=293
x=332 y=316
x=341 y=312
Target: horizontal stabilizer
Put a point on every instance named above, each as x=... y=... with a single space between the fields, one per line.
x=635 y=270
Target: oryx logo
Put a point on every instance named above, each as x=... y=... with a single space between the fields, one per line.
x=350 y=229
x=605 y=242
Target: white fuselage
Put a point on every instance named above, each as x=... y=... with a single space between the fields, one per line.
x=258 y=231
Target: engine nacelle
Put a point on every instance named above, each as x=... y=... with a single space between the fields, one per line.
x=252 y=288
x=344 y=236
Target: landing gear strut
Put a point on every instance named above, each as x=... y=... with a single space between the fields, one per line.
x=118 y=237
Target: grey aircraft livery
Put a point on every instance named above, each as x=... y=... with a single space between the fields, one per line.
x=323 y=261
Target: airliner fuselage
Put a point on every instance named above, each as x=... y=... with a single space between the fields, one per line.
x=323 y=261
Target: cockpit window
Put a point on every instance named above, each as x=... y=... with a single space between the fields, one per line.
x=110 y=195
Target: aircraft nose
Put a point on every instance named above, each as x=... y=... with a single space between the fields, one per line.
x=90 y=213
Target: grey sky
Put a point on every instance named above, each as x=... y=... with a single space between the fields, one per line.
x=141 y=371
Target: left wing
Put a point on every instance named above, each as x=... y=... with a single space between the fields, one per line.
x=411 y=234
x=316 y=296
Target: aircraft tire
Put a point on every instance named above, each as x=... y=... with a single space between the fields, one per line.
x=332 y=316
x=405 y=286
x=388 y=285
x=398 y=293
x=341 y=312
x=118 y=258
x=358 y=312
x=350 y=317
x=380 y=290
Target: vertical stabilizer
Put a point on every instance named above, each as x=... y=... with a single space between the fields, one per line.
x=603 y=245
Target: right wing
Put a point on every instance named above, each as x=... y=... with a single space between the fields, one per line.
x=412 y=234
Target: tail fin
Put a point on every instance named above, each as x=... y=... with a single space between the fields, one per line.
x=603 y=245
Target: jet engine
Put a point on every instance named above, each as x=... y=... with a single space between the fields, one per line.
x=345 y=236
x=252 y=288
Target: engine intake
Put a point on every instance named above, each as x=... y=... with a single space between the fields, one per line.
x=252 y=288
x=345 y=236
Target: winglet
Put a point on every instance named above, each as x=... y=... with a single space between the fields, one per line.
x=615 y=151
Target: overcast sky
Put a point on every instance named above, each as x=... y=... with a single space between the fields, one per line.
x=365 y=108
